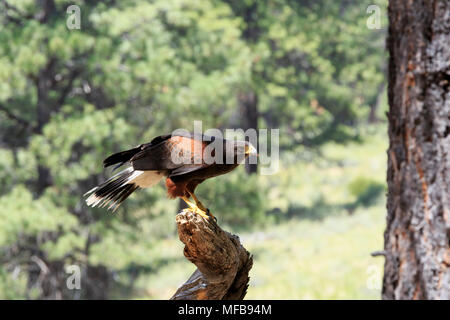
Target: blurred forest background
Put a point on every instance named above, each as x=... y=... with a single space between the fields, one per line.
x=137 y=69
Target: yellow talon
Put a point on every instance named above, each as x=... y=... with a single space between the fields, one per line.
x=201 y=212
x=201 y=206
x=195 y=208
x=197 y=202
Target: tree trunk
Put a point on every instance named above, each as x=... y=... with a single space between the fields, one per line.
x=43 y=110
x=223 y=263
x=418 y=224
x=376 y=105
x=248 y=100
x=249 y=110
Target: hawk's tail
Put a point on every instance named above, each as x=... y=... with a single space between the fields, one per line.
x=113 y=191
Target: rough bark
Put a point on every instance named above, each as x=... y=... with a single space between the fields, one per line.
x=418 y=225
x=222 y=262
x=376 y=105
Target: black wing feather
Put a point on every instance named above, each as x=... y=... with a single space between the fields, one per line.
x=122 y=157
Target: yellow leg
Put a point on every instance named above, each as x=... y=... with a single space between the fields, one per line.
x=189 y=203
x=200 y=205
x=195 y=209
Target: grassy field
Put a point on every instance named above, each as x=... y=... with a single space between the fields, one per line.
x=327 y=259
x=321 y=248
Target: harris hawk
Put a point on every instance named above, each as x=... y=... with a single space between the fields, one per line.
x=185 y=160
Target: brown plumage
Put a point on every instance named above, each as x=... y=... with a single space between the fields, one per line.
x=184 y=160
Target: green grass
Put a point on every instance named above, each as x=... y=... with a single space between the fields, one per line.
x=327 y=259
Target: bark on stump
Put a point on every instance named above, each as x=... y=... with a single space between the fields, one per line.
x=222 y=262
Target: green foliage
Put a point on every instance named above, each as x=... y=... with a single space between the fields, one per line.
x=235 y=199
x=365 y=190
x=21 y=215
x=317 y=185
x=316 y=66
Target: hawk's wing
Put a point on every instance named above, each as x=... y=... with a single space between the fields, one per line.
x=177 y=153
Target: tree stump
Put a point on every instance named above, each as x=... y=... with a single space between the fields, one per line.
x=222 y=262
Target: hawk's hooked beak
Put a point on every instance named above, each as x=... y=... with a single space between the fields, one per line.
x=250 y=150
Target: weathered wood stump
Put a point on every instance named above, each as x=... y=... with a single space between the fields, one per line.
x=222 y=262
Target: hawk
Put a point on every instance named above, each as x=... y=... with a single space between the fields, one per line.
x=184 y=160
